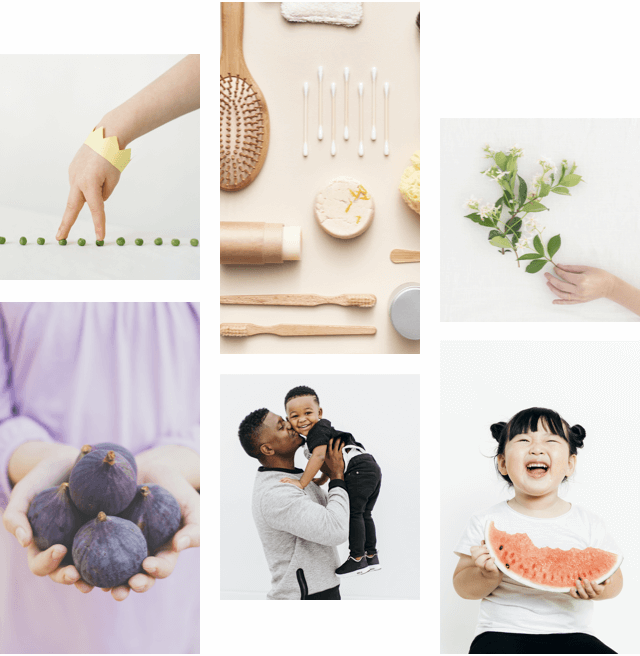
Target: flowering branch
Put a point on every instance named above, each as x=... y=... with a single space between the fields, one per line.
x=511 y=227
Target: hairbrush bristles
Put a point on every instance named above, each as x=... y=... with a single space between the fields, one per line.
x=243 y=136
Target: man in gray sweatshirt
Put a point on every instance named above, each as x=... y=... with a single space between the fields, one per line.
x=299 y=529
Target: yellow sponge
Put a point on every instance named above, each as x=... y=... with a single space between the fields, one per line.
x=410 y=183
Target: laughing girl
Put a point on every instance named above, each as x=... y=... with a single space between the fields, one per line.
x=537 y=451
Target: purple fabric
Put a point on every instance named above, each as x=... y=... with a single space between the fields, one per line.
x=85 y=373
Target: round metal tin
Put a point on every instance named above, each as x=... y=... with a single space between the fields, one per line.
x=404 y=310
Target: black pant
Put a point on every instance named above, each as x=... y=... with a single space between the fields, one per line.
x=493 y=642
x=362 y=478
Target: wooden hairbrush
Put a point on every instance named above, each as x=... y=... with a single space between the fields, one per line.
x=309 y=300
x=291 y=330
x=244 y=118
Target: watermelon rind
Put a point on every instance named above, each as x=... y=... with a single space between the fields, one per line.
x=531 y=584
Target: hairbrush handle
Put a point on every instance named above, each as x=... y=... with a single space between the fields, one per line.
x=291 y=330
x=400 y=256
x=232 y=18
x=306 y=300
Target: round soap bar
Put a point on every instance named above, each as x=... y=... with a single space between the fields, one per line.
x=344 y=209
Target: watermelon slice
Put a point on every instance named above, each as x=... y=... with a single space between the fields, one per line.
x=554 y=570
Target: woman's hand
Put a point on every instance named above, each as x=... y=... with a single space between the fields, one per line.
x=579 y=284
x=585 y=589
x=484 y=561
x=171 y=467
x=92 y=179
x=51 y=469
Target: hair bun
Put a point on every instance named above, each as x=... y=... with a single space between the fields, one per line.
x=498 y=429
x=579 y=433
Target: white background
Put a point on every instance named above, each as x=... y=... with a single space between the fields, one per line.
x=368 y=407
x=598 y=223
x=594 y=384
x=48 y=107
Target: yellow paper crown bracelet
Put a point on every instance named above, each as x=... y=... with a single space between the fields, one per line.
x=109 y=149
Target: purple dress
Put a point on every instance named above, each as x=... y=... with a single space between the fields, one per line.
x=78 y=374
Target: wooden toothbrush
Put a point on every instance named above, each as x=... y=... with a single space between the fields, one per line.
x=308 y=300
x=291 y=330
x=244 y=118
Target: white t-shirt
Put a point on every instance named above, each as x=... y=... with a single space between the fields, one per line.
x=515 y=608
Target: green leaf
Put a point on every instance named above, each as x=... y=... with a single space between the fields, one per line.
x=501 y=160
x=563 y=191
x=522 y=191
x=475 y=217
x=512 y=163
x=544 y=190
x=535 y=266
x=531 y=256
x=534 y=206
x=537 y=244
x=513 y=225
x=500 y=242
x=498 y=203
x=494 y=233
x=553 y=246
x=570 y=180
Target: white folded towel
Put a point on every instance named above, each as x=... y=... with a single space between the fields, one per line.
x=348 y=14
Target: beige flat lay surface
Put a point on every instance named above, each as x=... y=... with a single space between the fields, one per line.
x=281 y=56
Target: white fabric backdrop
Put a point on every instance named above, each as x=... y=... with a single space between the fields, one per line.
x=599 y=223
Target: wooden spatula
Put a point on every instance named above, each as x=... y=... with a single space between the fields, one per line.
x=400 y=256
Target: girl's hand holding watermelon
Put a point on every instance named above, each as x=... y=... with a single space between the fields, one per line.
x=484 y=561
x=587 y=590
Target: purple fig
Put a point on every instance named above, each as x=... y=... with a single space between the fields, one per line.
x=156 y=512
x=109 y=446
x=108 y=551
x=102 y=480
x=53 y=517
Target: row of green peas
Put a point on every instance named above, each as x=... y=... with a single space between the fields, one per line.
x=100 y=242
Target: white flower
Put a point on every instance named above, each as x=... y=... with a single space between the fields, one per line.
x=473 y=203
x=487 y=210
x=516 y=151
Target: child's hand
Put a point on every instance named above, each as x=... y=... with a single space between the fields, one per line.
x=321 y=480
x=92 y=179
x=293 y=481
x=484 y=561
x=586 y=590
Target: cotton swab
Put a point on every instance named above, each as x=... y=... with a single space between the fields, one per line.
x=305 y=150
x=386 y=118
x=360 y=102
x=346 y=104
x=319 y=103
x=333 y=119
x=374 y=72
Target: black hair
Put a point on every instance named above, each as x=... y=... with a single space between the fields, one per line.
x=249 y=431
x=301 y=390
x=528 y=420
